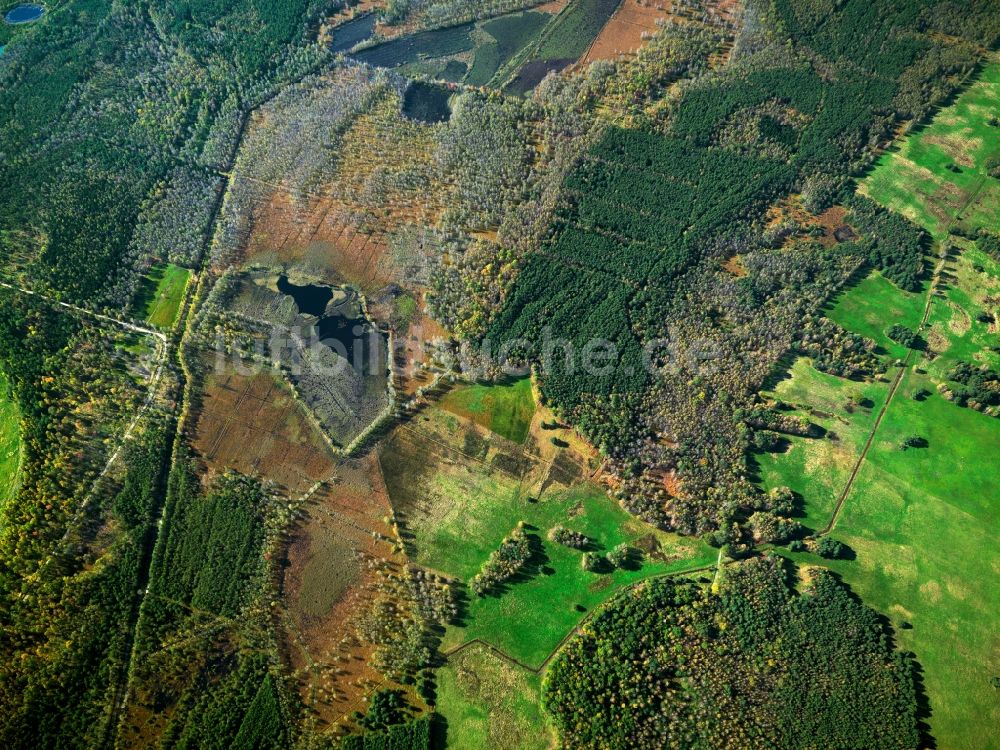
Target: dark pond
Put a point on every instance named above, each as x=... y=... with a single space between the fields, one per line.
x=310 y=299
x=24 y=14
x=426 y=102
x=344 y=329
x=353 y=32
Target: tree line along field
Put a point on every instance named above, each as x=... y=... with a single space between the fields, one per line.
x=918 y=520
x=228 y=583
x=457 y=495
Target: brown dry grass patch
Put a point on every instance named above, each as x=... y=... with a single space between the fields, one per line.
x=331 y=566
x=628 y=30
x=252 y=423
x=339 y=231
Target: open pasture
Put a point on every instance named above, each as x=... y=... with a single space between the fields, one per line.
x=10 y=442
x=873 y=305
x=816 y=469
x=162 y=293
x=506 y=409
x=487 y=702
x=939 y=176
x=921 y=523
x=458 y=494
x=250 y=422
x=920 y=520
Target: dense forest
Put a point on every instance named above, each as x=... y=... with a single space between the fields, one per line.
x=115 y=121
x=757 y=665
x=632 y=255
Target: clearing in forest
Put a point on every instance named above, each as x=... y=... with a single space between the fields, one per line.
x=491 y=703
x=459 y=491
x=10 y=442
x=941 y=175
x=162 y=293
x=507 y=409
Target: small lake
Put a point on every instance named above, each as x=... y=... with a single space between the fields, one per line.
x=426 y=102
x=353 y=32
x=24 y=14
x=310 y=298
x=344 y=329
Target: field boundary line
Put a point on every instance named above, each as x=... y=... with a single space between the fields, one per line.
x=893 y=388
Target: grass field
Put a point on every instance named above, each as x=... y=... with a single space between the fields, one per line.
x=10 y=442
x=508 y=35
x=457 y=505
x=162 y=293
x=922 y=522
x=873 y=305
x=817 y=468
x=939 y=174
x=573 y=30
x=530 y=618
x=505 y=409
x=488 y=702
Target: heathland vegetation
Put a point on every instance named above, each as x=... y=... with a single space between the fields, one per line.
x=215 y=535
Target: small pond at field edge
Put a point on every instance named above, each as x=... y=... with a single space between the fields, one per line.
x=24 y=14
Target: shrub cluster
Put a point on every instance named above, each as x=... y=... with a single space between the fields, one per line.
x=504 y=563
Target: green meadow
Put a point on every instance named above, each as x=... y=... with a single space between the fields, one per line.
x=456 y=505
x=818 y=468
x=939 y=175
x=161 y=294
x=532 y=615
x=873 y=305
x=922 y=522
x=487 y=702
x=10 y=442
x=506 y=409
